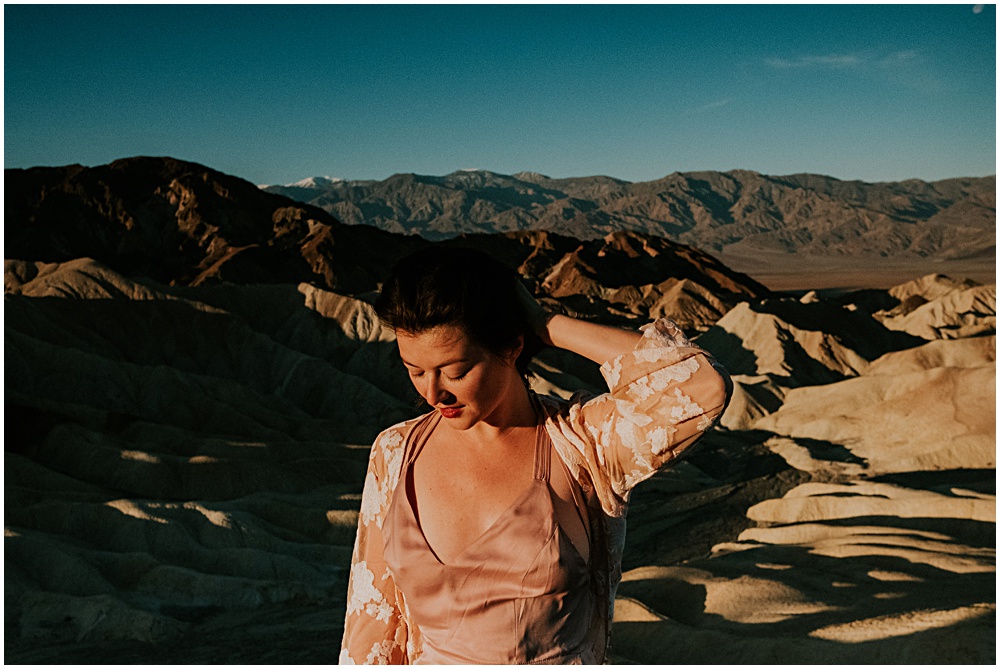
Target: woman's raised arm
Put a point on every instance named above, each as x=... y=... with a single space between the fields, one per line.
x=599 y=343
x=664 y=394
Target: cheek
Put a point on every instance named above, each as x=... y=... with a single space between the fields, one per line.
x=481 y=389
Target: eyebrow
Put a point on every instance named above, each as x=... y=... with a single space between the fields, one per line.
x=447 y=364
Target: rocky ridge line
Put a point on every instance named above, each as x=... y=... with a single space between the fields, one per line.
x=737 y=211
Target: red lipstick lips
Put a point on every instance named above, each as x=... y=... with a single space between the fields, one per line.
x=450 y=412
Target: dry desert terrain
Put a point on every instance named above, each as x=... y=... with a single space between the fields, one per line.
x=183 y=469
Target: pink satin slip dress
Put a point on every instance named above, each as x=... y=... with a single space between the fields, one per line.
x=520 y=593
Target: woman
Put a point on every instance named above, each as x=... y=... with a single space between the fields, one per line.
x=491 y=529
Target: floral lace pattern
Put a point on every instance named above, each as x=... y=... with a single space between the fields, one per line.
x=663 y=396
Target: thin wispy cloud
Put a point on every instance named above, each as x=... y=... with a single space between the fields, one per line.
x=829 y=62
x=852 y=61
x=696 y=110
x=908 y=67
x=899 y=58
x=714 y=105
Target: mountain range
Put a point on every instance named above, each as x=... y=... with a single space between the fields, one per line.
x=720 y=212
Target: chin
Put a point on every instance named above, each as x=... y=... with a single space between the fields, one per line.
x=461 y=423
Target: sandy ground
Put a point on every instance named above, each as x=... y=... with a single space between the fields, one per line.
x=792 y=272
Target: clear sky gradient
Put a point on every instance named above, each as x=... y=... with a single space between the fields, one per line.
x=274 y=94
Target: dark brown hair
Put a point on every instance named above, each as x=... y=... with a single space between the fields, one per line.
x=462 y=287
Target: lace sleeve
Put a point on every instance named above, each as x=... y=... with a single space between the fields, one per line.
x=375 y=630
x=663 y=396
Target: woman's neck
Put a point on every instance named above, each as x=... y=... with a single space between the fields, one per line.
x=512 y=417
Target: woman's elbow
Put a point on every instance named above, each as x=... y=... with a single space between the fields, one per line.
x=718 y=391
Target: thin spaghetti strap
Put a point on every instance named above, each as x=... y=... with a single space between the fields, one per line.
x=418 y=436
x=543 y=446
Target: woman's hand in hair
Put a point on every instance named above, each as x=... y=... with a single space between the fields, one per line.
x=599 y=343
x=538 y=317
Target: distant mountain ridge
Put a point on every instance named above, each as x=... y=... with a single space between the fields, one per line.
x=717 y=211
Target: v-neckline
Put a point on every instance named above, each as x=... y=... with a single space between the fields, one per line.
x=409 y=484
x=489 y=530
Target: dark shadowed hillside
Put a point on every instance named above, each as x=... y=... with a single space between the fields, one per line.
x=185 y=224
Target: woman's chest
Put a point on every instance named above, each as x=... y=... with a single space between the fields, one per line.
x=518 y=591
x=458 y=495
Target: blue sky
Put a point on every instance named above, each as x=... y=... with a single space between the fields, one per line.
x=277 y=93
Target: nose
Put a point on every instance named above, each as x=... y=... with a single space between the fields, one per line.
x=434 y=393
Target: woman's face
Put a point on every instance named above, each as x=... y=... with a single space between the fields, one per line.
x=465 y=382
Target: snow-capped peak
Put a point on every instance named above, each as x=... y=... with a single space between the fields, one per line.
x=315 y=182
